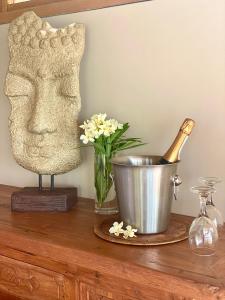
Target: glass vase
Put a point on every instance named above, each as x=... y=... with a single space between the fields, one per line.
x=105 y=201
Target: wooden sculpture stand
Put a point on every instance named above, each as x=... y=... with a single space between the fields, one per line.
x=31 y=199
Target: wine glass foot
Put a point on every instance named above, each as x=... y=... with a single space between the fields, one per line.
x=203 y=251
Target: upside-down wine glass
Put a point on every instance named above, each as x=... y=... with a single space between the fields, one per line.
x=213 y=213
x=203 y=235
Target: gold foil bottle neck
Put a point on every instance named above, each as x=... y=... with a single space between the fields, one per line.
x=173 y=153
x=187 y=126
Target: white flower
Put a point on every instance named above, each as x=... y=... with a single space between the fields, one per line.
x=98 y=119
x=87 y=137
x=116 y=229
x=106 y=128
x=86 y=125
x=115 y=124
x=109 y=127
x=97 y=126
x=84 y=139
x=129 y=232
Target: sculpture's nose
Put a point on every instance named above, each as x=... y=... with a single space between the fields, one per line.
x=42 y=118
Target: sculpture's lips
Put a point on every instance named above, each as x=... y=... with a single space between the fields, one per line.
x=46 y=151
x=35 y=151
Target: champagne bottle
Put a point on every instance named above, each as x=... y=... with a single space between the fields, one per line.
x=173 y=153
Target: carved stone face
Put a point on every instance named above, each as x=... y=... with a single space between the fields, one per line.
x=43 y=88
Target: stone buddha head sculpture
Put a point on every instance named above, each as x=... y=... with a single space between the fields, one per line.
x=43 y=88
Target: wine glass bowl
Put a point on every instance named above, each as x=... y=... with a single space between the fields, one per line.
x=203 y=235
x=215 y=215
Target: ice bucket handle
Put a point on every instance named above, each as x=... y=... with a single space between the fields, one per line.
x=176 y=182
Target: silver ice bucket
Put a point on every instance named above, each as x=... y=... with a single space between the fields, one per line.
x=144 y=191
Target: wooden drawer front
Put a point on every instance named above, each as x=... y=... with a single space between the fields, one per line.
x=30 y=282
x=88 y=292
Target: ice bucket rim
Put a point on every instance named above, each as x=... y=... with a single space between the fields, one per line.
x=117 y=161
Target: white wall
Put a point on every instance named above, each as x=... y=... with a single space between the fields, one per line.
x=152 y=64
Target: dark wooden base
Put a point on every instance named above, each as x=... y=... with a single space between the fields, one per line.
x=32 y=199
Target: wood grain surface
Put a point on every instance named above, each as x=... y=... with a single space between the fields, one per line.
x=65 y=243
x=45 y=8
x=32 y=199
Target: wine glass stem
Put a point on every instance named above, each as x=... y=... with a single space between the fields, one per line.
x=203 y=206
x=210 y=200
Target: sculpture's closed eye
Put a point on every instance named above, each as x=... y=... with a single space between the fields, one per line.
x=17 y=86
x=68 y=87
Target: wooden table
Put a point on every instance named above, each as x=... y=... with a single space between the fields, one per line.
x=48 y=256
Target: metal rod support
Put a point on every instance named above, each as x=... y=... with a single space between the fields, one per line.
x=40 y=182
x=52 y=183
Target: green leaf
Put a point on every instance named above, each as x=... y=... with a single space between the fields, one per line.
x=127 y=145
x=108 y=150
x=119 y=133
x=103 y=180
x=99 y=147
x=134 y=140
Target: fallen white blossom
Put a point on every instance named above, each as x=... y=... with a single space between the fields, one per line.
x=129 y=232
x=116 y=229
